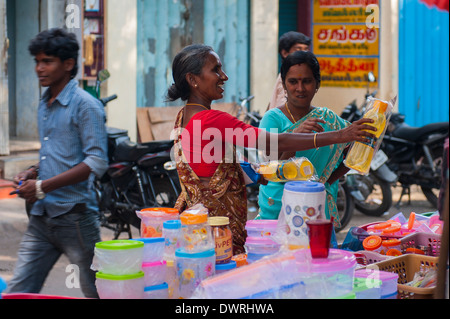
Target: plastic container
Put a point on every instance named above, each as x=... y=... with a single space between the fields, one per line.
x=221 y=268
x=388 y=281
x=279 y=270
x=367 y=289
x=157 y=292
x=429 y=243
x=155 y=272
x=329 y=277
x=118 y=257
x=223 y=238
x=294 y=169
x=172 y=237
x=373 y=243
x=120 y=287
x=153 y=249
x=360 y=154
x=172 y=280
x=406 y=266
x=192 y=268
x=260 y=246
x=196 y=235
x=152 y=220
x=392 y=245
x=261 y=227
x=301 y=201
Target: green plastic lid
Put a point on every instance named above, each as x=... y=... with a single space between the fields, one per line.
x=119 y=244
x=101 y=275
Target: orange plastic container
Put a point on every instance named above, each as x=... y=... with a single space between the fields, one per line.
x=372 y=243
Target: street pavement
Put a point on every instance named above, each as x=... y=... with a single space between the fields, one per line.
x=13 y=223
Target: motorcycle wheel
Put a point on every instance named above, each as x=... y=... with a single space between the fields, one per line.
x=345 y=205
x=377 y=194
x=432 y=193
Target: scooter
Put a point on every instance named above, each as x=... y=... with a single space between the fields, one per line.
x=139 y=176
x=372 y=193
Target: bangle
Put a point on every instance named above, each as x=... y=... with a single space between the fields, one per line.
x=315 y=138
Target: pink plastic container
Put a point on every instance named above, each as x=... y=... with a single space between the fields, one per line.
x=389 y=281
x=155 y=273
x=261 y=245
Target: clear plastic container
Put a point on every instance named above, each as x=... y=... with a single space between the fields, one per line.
x=155 y=272
x=157 y=292
x=172 y=237
x=261 y=227
x=388 y=281
x=153 y=249
x=261 y=246
x=367 y=289
x=118 y=257
x=120 y=287
x=328 y=277
x=172 y=280
x=196 y=232
x=373 y=243
x=152 y=220
x=192 y=268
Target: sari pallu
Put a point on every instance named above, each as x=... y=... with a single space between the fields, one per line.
x=224 y=196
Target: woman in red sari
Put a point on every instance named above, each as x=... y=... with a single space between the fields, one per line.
x=205 y=140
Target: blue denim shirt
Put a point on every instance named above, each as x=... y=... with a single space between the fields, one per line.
x=71 y=131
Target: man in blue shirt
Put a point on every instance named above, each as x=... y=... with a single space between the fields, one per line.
x=64 y=217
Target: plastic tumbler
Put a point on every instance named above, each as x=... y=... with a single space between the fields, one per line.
x=319 y=232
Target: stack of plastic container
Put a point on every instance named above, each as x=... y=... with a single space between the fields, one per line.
x=155 y=268
x=260 y=242
x=195 y=259
x=119 y=265
x=172 y=241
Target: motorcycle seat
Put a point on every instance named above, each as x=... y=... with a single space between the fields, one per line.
x=131 y=152
x=411 y=133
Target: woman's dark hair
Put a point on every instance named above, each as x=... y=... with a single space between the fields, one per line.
x=189 y=60
x=291 y=38
x=301 y=57
x=58 y=43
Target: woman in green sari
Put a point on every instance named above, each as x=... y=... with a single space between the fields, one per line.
x=300 y=73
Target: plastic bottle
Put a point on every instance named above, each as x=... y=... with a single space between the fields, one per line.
x=360 y=155
x=295 y=169
x=223 y=238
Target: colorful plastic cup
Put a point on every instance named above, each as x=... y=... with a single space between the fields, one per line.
x=319 y=232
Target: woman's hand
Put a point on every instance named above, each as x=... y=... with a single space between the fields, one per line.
x=310 y=126
x=358 y=131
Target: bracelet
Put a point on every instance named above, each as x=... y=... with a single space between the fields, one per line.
x=315 y=137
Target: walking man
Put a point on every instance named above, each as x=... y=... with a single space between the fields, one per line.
x=64 y=217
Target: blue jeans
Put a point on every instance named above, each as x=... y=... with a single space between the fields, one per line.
x=73 y=234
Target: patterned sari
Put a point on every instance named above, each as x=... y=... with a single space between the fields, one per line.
x=225 y=196
x=325 y=160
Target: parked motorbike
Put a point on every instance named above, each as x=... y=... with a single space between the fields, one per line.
x=372 y=193
x=415 y=154
x=139 y=176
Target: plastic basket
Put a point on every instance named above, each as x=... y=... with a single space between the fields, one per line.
x=364 y=257
x=406 y=266
x=431 y=242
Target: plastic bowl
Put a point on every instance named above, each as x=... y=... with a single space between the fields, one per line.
x=261 y=246
x=120 y=287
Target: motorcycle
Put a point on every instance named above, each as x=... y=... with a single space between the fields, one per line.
x=139 y=176
x=372 y=193
x=415 y=154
